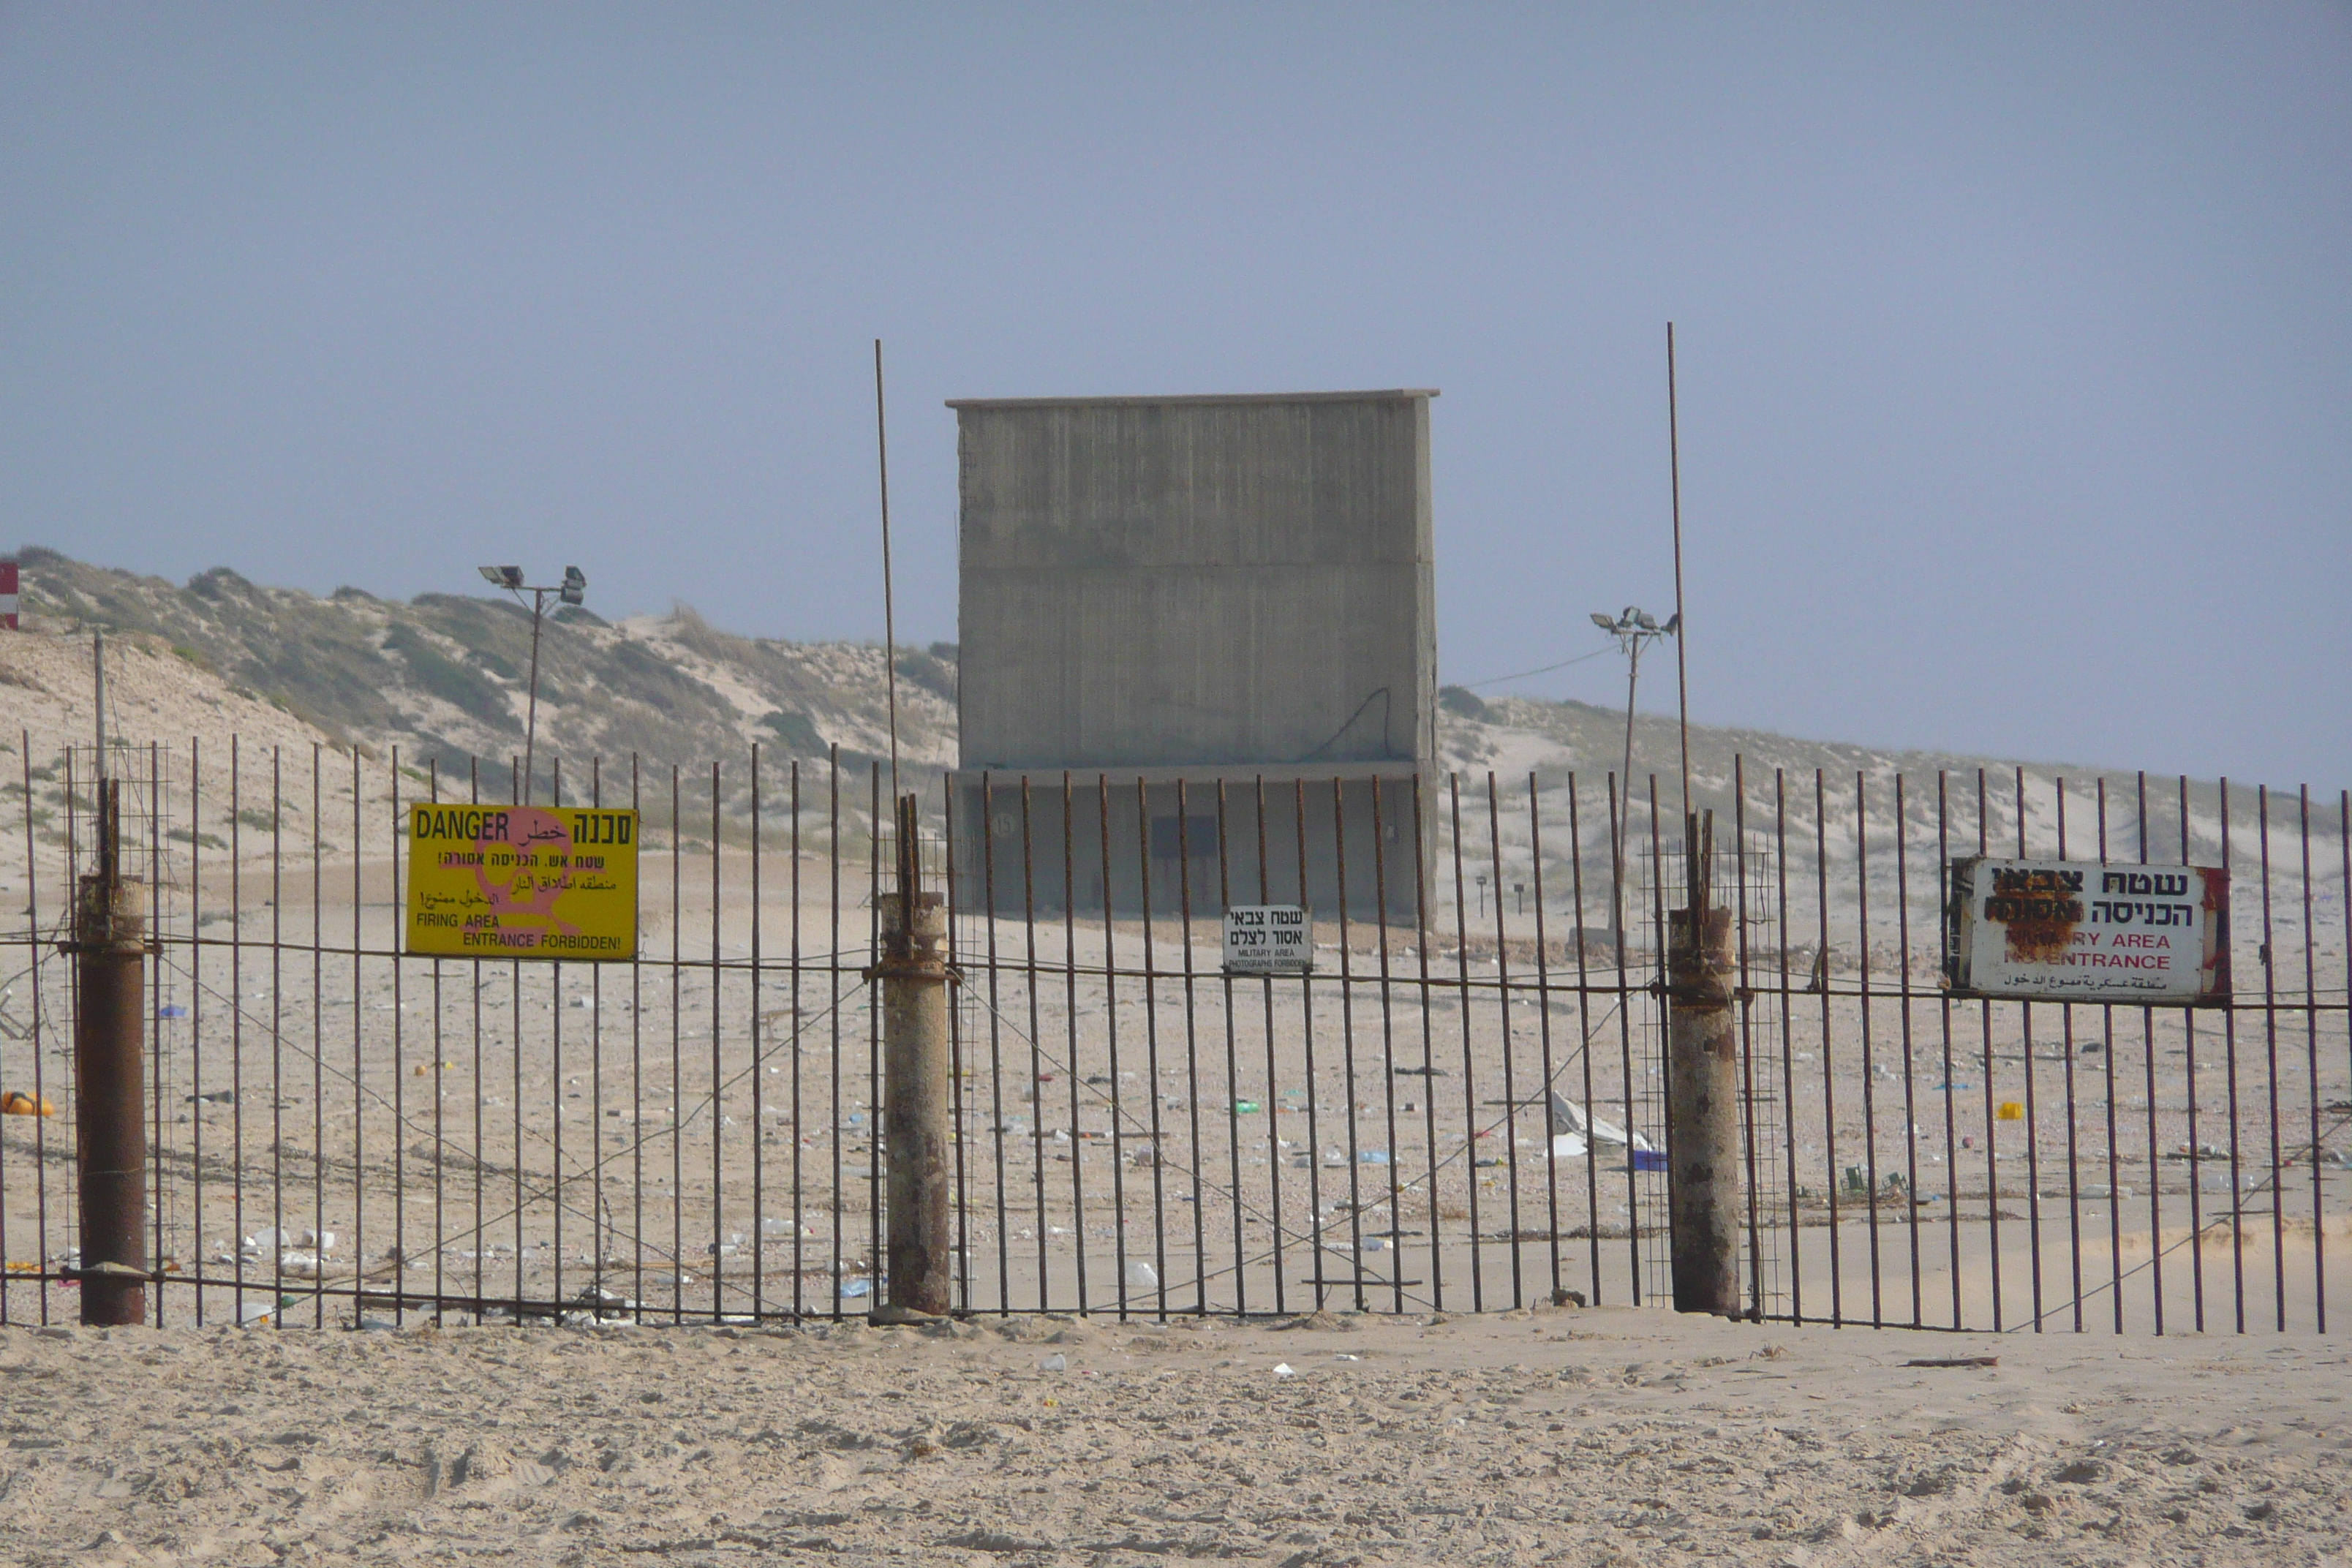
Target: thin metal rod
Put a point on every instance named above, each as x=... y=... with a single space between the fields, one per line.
x=889 y=618
x=1682 y=626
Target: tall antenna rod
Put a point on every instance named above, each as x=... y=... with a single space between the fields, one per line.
x=1681 y=621
x=889 y=622
x=98 y=661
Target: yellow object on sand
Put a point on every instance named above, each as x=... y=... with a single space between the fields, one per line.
x=17 y=1102
x=2010 y=1111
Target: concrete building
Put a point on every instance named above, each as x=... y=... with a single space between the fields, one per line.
x=1169 y=596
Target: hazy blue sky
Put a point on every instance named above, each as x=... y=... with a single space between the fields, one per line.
x=2016 y=340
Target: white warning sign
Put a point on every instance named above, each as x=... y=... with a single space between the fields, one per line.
x=1269 y=939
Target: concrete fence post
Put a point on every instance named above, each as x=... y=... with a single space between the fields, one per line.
x=110 y=948
x=917 y=1077
x=1702 y=1090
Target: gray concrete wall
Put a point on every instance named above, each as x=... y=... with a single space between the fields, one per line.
x=1202 y=582
x=1024 y=843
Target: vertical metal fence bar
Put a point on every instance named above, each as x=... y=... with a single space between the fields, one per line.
x=2107 y=1060
x=1503 y=1009
x=1469 y=1066
x=718 y=1070
x=1984 y=1021
x=637 y=1084
x=318 y=1041
x=2311 y=1062
x=33 y=968
x=1869 y=1060
x=2032 y=1109
x=555 y=1085
x=359 y=1064
x=440 y=1142
x=1388 y=1049
x=1422 y=873
x=154 y=1026
x=1787 y=1043
x=1036 y=1094
x=759 y=1234
x=1543 y=1021
x=1944 y=1030
x=875 y=1187
x=1317 y=1254
x=1828 y=1071
x=2276 y=1179
x=1657 y=988
x=1620 y=811
x=1143 y=848
x=995 y=1041
x=1910 y=1076
x=678 y=1047
x=1199 y=1163
x=1070 y=1021
x=800 y=1112
x=2156 y=1248
x=516 y=784
x=2074 y=1166
x=600 y=1229
x=835 y=1001
x=276 y=1037
x=2195 y=1146
x=1747 y=1102
x=1584 y=1031
x=1110 y=1036
x=958 y=1076
x=1272 y=1080
x=195 y=1023
x=1232 y=1059
x=1346 y=1057
x=2230 y=1056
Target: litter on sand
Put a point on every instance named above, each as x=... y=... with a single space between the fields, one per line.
x=1569 y=1118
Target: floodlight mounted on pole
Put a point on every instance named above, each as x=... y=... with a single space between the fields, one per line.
x=572 y=590
x=1631 y=627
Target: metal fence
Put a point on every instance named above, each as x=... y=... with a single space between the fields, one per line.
x=1459 y=1111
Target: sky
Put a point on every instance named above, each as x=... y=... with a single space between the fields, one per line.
x=2014 y=341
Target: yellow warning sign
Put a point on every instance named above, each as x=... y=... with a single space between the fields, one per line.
x=522 y=881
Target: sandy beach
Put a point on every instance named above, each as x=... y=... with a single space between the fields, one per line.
x=1560 y=1436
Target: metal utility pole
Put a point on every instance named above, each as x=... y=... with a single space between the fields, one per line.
x=572 y=590
x=109 y=951
x=917 y=1085
x=1634 y=626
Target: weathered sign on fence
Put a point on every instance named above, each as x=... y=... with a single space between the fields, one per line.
x=522 y=881
x=2076 y=931
x=1267 y=939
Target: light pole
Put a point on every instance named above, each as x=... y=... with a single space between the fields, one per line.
x=1633 y=627
x=572 y=590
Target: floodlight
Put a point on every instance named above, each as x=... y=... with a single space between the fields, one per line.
x=575 y=585
x=1642 y=619
x=1674 y=624
x=494 y=574
x=504 y=576
x=1604 y=621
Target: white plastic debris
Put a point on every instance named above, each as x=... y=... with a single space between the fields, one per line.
x=1566 y=1116
x=1141 y=1276
x=1282 y=1369
x=1054 y=1363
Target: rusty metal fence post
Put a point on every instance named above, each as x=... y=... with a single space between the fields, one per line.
x=918 y=1083
x=110 y=950
x=1702 y=1150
